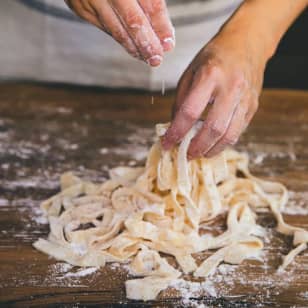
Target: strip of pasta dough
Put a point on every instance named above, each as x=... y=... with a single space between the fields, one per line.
x=142 y=212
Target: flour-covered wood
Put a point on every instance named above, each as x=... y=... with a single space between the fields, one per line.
x=45 y=131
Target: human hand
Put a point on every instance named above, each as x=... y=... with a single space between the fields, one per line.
x=142 y=27
x=226 y=76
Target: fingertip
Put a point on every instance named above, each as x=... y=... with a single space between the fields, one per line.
x=169 y=139
x=168 y=44
x=194 y=150
x=166 y=143
x=192 y=154
x=155 y=60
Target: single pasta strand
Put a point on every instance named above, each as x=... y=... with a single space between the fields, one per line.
x=291 y=255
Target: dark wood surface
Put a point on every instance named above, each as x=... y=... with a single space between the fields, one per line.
x=45 y=131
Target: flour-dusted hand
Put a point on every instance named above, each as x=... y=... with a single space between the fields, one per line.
x=228 y=72
x=227 y=78
x=142 y=27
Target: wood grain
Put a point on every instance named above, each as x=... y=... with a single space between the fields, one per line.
x=46 y=130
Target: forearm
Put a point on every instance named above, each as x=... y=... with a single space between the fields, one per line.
x=264 y=21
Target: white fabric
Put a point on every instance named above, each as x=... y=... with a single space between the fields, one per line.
x=37 y=46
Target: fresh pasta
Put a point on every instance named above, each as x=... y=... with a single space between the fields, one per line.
x=141 y=212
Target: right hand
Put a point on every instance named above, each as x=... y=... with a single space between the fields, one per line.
x=225 y=78
x=142 y=27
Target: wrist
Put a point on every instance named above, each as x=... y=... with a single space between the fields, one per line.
x=252 y=38
x=263 y=22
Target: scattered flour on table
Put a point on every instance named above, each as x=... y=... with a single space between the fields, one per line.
x=228 y=280
x=259 y=152
x=297 y=204
x=66 y=275
x=4 y=202
x=259 y=157
x=64 y=110
x=304 y=294
x=104 y=151
x=32 y=209
x=225 y=281
x=221 y=283
x=40 y=219
x=5 y=166
x=137 y=152
x=136 y=146
x=191 y=289
x=61 y=267
x=121 y=266
x=82 y=272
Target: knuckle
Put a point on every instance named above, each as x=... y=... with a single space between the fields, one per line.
x=133 y=19
x=208 y=71
x=158 y=6
x=239 y=80
x=254 y=105
x=190 y=113
x=216 y=130
x=230 y=140
x=198 y=74
x=118 y=34
x=213 y=70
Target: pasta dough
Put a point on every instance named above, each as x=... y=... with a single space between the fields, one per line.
x=142 y=212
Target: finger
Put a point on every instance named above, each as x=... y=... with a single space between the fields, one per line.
x=88 y=6
x=190 y=110
x=216 y=123
x=85 y=14
x=253 y=107
x=139 y=29
x=235 y=129
x=182 y=91
x=68 y=3
x=114 y=27
x=157 y=13
x=183 y=87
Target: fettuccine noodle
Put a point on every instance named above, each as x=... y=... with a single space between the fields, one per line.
x=142 y=212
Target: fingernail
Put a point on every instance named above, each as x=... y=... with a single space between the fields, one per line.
x=168 y=43
x=155 y=60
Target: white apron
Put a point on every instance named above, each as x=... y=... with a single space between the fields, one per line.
x=42 y=40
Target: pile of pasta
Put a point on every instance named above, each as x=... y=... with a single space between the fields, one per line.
x=140 y=213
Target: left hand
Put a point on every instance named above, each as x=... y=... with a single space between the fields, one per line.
x=142 y=27
x=226 y=76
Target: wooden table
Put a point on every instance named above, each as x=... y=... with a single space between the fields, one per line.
x=46 y=130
